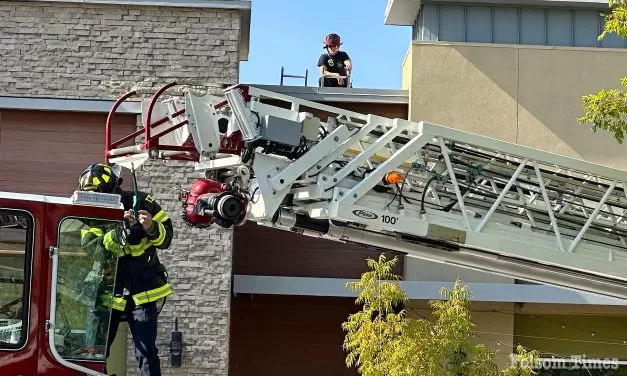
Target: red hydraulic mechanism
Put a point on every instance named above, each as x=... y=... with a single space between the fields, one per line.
x=210 y=201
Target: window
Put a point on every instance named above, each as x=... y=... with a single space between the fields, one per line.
x=478 y=20
x=451 y=23
x=587 y=28
x=534 y=30
x=457 y=22
x=559 y=30
x=504 y=18
x=16 y=229
x=85 y=281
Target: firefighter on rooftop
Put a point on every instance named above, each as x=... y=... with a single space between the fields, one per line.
x=335 y=65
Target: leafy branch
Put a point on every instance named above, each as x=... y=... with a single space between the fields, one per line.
x=383 y=340
x=607 y=109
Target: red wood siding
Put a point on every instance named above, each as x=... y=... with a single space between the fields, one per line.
x=390 y=110
x=259 y=250
x=288 y=335
x=44 y=152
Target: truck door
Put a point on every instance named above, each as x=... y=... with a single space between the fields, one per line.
x=20 y=237
x=80 y=277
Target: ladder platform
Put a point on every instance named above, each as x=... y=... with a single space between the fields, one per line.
x=172 y=129
x=163 y=135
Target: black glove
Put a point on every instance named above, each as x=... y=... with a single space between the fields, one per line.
x=120 y=233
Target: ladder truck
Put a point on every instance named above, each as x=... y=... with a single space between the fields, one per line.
x=423 y=189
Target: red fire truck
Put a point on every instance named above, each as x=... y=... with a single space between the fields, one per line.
x=52 y=320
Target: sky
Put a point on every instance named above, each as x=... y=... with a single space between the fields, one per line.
x=289 y=33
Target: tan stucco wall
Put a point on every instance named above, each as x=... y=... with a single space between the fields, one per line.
x=566 y=329
x=531 y=96
x=422 y=270
x=407 y=67
x=560 y=329
x=572 y=335
x=528 y=95
x=494 y=325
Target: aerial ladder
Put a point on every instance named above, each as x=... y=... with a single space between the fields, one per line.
x=423 y=189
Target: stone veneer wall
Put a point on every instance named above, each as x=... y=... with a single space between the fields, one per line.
x=71 y=50
x=199 y=265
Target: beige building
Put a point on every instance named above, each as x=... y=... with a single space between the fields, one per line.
x=517 y=71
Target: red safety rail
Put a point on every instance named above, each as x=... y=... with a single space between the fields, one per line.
x=151 y=141
x=229 y=145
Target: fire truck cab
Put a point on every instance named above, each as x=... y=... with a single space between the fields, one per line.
x=53 y=313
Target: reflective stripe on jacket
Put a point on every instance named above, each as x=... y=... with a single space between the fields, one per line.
x=140 y=275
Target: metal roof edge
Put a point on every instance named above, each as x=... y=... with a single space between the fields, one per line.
x=420 y=290
x=401 y=12
x=216 y=4
x=67 y=105
x=404 y=12
x=595 y=4
x=244 y=36
x=353 y=95
x=316 y=94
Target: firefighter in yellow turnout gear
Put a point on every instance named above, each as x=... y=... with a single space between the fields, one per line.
x=141 y=279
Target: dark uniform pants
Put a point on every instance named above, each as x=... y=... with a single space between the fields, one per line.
x=142 y=321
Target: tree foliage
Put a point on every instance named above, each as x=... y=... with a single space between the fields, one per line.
x=382 y=340
x=607 y=109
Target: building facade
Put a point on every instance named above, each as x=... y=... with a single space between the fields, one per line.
x=517 y=71
x=290 y=291
x=266 y=302
x=62 y=63
x=514 y=70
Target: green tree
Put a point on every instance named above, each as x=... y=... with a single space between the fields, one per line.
x=382 y=340
x=607 y=108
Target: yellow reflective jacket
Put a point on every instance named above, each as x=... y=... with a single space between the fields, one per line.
x=140 y=276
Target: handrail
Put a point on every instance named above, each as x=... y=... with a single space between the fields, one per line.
x=108 y=127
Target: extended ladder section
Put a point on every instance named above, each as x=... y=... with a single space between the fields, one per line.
x=430 y=191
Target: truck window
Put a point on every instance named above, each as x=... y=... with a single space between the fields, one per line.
x=86 y=275
x=15 y=265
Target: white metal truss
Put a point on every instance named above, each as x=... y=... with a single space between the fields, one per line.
x=464 y=199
